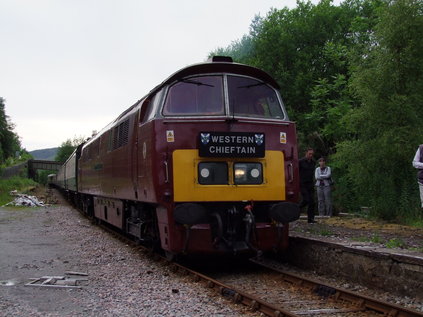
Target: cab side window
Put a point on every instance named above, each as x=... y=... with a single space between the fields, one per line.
x=150 y=106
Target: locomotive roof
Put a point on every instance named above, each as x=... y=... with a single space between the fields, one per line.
x=219 y=67
x=218 y=64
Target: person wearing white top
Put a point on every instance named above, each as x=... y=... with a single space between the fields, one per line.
x=323 y=176
x=418 y=163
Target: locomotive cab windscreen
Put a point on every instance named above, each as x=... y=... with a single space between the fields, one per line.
x=252 y=98
x=207 y=96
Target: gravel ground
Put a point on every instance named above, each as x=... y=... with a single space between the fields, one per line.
x=121 y=281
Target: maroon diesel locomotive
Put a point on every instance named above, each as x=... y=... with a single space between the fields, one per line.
x=205 y=163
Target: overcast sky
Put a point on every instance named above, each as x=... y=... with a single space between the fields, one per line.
x=68 y=67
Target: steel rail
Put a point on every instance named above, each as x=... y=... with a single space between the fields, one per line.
x=237 y=296
x=357 y=300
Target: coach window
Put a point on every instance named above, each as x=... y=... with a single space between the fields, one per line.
x=195 y=96
x=253 y=98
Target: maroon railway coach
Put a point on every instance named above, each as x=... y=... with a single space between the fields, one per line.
x=205 y=163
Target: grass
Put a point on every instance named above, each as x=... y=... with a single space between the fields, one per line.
x=374 y=238
x=19 y=183
x=360 y=239
x=418 y=249
x=326 y=233
x=392 y=243
x=319 y=231
x=417 y=223
x=395 y=243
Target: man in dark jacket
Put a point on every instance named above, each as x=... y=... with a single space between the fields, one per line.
x=307 y=166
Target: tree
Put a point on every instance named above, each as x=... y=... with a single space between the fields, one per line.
x=9 y=140
x=67 y=148
x=330 y=103
x=351 y=77
x=387 y=127
x=307 y=50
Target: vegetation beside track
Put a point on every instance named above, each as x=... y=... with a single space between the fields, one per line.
x=20 y=184
x=351 y=77
x=363 y=228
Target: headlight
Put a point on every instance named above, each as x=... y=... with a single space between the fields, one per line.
x=212 y=173
x=248 y=173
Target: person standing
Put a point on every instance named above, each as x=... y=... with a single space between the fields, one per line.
x=323 y=176
x=418 y=163
x=306 y=166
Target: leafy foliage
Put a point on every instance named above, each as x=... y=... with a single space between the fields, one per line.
x=9 y=140
x=307 y=50
x=13 y=183
x=387 y=125
x=67 y=148
x=351 y=76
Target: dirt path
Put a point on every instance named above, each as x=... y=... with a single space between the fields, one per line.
x=31 y=248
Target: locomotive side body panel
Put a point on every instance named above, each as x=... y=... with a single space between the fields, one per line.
x=110 y=211
x=89 y=166
x=106 y=168
x=147 y=165
x=60 y=177
x=71 y=173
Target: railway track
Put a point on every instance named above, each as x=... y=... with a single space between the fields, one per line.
x=287 y=294
x=292 y=295
x=326 y=299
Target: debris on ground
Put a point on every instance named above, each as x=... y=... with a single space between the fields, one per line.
x=24 y=200
x=49 y=197
x=59 y=281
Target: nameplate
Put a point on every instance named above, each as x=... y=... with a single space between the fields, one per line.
x=231 y=144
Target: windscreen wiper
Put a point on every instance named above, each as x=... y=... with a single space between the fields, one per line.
x=250 y=86
x=194 y=82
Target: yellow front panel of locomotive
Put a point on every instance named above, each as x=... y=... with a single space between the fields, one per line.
x=186 y=187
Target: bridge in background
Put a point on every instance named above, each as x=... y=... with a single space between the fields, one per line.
x=34 y=165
